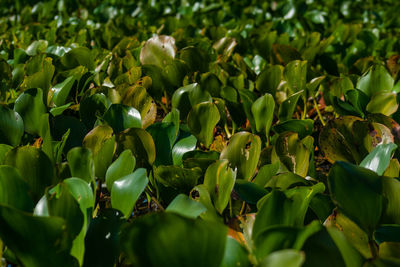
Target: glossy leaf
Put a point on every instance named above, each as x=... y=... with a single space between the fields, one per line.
x=127 y=190
x=11 y=127
x=121 y=117
x=379 y=158
x=62 y=90
x=182 y=146
x=30 y=107
x=186 y=207
x=375 y=80
x=122 y=166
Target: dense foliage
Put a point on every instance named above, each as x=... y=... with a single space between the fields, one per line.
x=199 y=133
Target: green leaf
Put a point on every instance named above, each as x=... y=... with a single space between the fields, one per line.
x=40 y=72
x=81 y=165
x=30 y=107
x=158 y=50
x=166 y=239
x=62 y=90
x=121 y=117
x=101 y=142
x=263 y=112
x=178 y=178
x=269 y=79
x=295 y=75
x=11 y=126
x=379 y=158
x=358 y=193
x=219 y=180
x=302 y=127
x=3 y=151
x=287 y=258
x=235 y=254
x=36 y=47
x=249 y=192
x=376 y=79
x=14 y=190
x=61 y=203
x=243 y=152
x=285 y=180
x=36 y=241
x=127 y=190
x=124 y=165
x=353 y=233
x=293 y=153
x=265 y=173
x=186 y=207
x=83 y=194
x=59 y=110
x=188 y=96
x=35 y=168
x=384 y=103
x=391 y=212
x=164 y=136
x=79 y=56
x=350 y=255
x=140 y=143
x=201 y=120
x=182 y=146
x=288 y=106
x=284 y=208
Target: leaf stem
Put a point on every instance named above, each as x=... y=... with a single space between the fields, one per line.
x=318 y=112
x=373 y=248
